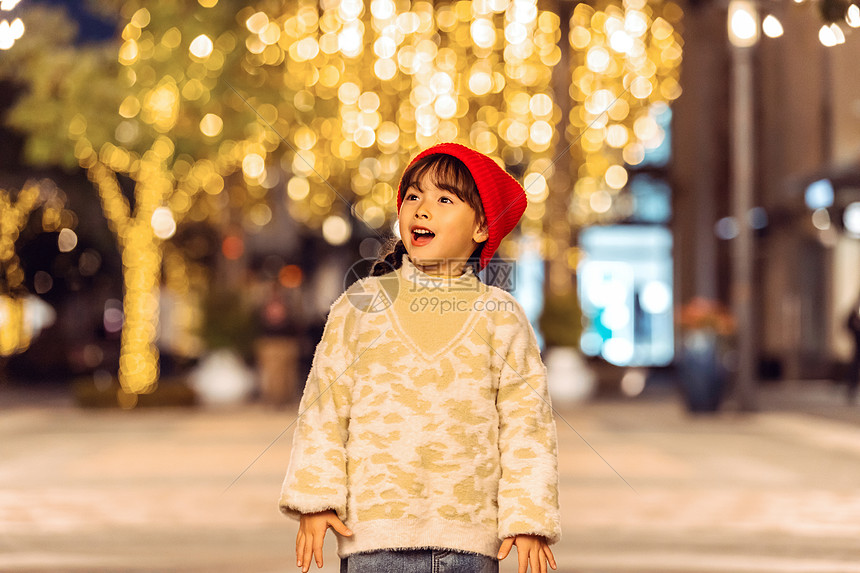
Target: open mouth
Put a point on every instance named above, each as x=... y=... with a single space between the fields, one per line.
x=421 y=237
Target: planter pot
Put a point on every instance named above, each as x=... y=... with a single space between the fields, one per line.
x=702 y=376
x=277 y=359
x=569 y=377
x=222 y=378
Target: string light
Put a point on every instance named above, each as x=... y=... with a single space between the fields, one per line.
x=355 y=89
x=384 y=81
x=624 y=70
x=15 y=330
x=10 y=32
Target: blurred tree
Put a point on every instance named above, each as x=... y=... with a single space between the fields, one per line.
x=154 y=120
x=16 y=209
x=195 y=98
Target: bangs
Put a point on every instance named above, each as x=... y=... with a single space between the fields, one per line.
x=448 y=173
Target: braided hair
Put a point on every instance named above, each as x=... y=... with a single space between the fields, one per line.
x=452 y=171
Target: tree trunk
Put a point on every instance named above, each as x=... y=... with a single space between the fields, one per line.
x=141 y=258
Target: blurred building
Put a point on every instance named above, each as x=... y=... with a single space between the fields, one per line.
x=807 y=177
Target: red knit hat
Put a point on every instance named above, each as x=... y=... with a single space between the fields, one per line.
x=503 y=198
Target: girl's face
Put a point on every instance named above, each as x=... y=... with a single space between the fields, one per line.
x=456 y=232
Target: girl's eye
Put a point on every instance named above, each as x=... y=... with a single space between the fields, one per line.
x=447 y=199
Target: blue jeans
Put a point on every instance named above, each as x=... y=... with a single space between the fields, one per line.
x=418 y=561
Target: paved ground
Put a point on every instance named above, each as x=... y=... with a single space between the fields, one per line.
x=772 y=492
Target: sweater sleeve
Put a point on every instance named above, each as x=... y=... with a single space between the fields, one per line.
x=316 y=474
x=528 y=486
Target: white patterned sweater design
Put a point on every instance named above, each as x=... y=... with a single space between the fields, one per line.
x=425 y=420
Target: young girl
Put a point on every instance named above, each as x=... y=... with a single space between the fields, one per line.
x=425 y=435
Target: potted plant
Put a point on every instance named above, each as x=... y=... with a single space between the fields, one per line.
x=228 y=329
x=707 y=327
x=568 y=376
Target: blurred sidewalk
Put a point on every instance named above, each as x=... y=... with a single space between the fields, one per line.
x=147 y=490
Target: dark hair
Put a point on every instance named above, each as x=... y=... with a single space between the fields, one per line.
x=447 y=173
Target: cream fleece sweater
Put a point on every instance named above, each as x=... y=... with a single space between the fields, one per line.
x=425 y=420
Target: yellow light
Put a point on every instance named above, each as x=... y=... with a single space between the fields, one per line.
x=141 y=18
x=163 y=223
x=161 y=105
x=388 y=133
x=336 y=230
x=385 y=69
x=540 y=105
x=580 y=37
x=364 y=137
x=348 y=93
x=540 y=133
x=516 y=33
x=831 y=35
x=445 y=107
x=253 y=165
x=600 y=201
x=211 y=125
x=483 y=33
x=518 y=103
x=536 y=187
x=260 y=214
x=743 y=23
x=640 y=87
x=635 y=23
x=257 y=22
x=772 y=27
x=599 y=102
x=329 y=76
x=621 y=41
x=270 y=34
x=645 y=128
x=616 y=177
x=14 y=330
x=305 y=49
x=350 y=9
x=11 y=32
x=633 y=153
x=349 y=40
x=382 y=9
x=129 y=107
x=328 y=43
x=374 y=216
x=201 y=46
x=852 y=17
x=408 y=22
x=255 y=45
x=441 y=83
x=298 y=188
x=7 y=39
x=368 y=101
x=385 y=47
x=517 y=134
x=172 y=38
x=128 y=52
x=617 y=136
x=598 y=59
x=305 y=138
x=67 y=240
x=480 y=83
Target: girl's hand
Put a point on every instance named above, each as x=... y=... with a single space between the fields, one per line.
x=531 y=550
x=312 y=530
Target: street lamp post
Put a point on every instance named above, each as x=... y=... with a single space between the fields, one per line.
x=743 y=29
